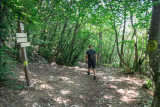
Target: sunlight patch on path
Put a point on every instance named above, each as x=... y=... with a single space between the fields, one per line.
x=108 y=97
x=45 y=86
x=112 y=86
x=23 y=93
x=65 y=92
x=126 y=99
x=82 y=97
x=127 y=95
x=61 y=100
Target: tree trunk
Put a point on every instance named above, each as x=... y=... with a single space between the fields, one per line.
x=110 y=58
x=1 y=34
x=61 y=38
x=124 y=28
x=142 y=59
x=54 y=34
x=135 y=54
x=127 y=67
x=100 y=47
x=116 y=33
x=67 y=38
x=1 y=23
x=73 y=41
x=17 y=46
x=135 y=64
x=154 y=50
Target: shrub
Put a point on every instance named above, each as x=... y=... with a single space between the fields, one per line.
x=6 y=63
x=46 y=53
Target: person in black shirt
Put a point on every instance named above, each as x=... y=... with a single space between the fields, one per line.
x=91 y=59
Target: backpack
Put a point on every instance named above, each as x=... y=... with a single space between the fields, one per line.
x=91 y=55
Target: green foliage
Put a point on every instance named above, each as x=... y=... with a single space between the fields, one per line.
x=150 y=83
x=69 y=56
x=62 y=30
x=149 y=103
x=14 y=84
x=6 y=64
x=115 y=65
x=46 y=53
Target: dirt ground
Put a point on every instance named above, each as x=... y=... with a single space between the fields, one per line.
x=63 y=86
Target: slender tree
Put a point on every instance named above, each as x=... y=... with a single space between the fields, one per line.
x=1 y=43
x=1 y=20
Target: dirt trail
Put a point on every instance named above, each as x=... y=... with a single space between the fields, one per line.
x=62 y=86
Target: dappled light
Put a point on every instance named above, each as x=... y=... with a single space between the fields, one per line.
x=50 y=95
x=121 y=91
x=34 y=105
x=65 y=78
x=22 y=76
x=112 y=86
x=22 y=93
x=61 y=100
x=111 y=78
x=70 y=82
x=82 y=97
x=108 y=97
x=45 y=86
x=126 y=99
x=37 y=81
x=40 y=67
x=65 y=92
x=104 y=78
x=68 y=87
x=126 y=92
x=80 y=69
x=53 y=64
x=54 y=67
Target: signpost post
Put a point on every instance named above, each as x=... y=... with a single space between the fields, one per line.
x=22 y=39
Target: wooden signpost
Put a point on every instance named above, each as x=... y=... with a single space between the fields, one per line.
x=22 y=39
x=25 y=44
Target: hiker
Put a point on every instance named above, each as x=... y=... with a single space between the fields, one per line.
x=91 y=59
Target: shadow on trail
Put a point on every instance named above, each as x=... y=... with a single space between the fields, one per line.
x=62 y=86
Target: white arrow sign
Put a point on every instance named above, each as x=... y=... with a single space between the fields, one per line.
x=25 y=44
x=21 y=40
x=21 y=35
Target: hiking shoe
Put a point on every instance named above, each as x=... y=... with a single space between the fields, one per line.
x=88 y=73
x=94 y=77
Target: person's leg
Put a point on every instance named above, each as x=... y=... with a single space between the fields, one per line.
x=89 y=68
x=94 y=69
x=89 y=71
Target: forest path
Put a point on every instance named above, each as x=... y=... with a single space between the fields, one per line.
x=63 y=86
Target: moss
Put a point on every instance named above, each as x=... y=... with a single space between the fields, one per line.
x=152 y=45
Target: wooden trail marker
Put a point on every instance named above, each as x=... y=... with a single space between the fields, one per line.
x=22 y=39
x=21 y=35
x=25 y=44
x=22 y=26
x=25 y=64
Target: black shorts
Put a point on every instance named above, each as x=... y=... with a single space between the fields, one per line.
x=92 y=64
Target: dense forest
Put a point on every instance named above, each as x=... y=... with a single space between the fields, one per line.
x=124 y=33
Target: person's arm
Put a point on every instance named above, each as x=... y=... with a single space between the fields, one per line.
x=86 y=58
x=96 y=57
